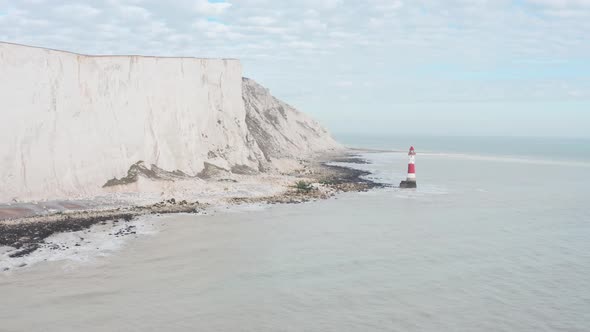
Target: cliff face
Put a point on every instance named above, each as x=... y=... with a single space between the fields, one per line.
x=69 y=122
x=279 y=129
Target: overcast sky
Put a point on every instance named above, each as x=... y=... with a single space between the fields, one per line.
x=458 y=67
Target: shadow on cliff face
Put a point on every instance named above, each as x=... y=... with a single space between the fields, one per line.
x=140 y=170
x=209 y=171
x=281 y=131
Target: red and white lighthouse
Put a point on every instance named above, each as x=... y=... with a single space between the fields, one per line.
x=410 y=181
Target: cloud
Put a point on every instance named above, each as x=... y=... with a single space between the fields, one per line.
x=34 y=2
x=567 y=13
x=213 y=29
x=344 y=84
x=313 y=24
x=300 y=45
x=561 y=3
x=205 y=7
x=408 y=31
x=77 y=11
x=387 y=5
x=135 y=12
x=260 y=20
x=325 y=4
x=211 y=26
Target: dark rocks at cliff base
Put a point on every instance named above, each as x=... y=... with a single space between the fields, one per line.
x=29 y=235
x=129 y=230
x=407 y=184
x=352 y=159
x=29 y=248
x=345 y=179
x=332 y=178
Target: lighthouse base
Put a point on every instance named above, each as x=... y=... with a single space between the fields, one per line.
x=407 y=184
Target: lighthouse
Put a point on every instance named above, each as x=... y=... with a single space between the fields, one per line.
x=410 y=181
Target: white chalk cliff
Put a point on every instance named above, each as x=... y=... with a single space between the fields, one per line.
x=70 y=123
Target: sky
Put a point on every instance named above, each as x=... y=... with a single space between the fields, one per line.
x=423 y=67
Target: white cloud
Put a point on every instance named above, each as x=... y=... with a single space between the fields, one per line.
x=216 y=30
x=343 y=35
x=387 y=5
x=205 y=7
x=568 y=13
x=561 y=3
x=300 y=45
x=314 y=24
x=135 y=12
x=344 y=84
x=211 y=26
x=324 y=4
x=34 y=2
x=272 y=30
x=261 y=20
x=77 y=11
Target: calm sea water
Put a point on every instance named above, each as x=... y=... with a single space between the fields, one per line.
x=568 y=149
x=489 y=241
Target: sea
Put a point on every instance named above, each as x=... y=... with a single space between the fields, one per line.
x=495 y=238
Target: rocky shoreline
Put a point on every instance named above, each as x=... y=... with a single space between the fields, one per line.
x=333 y=180
x=28 y=234
x=322 y=180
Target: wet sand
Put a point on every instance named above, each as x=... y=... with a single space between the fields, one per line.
x=9 y=213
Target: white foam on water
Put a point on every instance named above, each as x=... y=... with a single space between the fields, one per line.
x=249 y=207
x=384 y=168
x=83 y=246
x=509 y=159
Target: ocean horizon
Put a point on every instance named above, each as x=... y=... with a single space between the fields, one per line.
x=553 y=148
